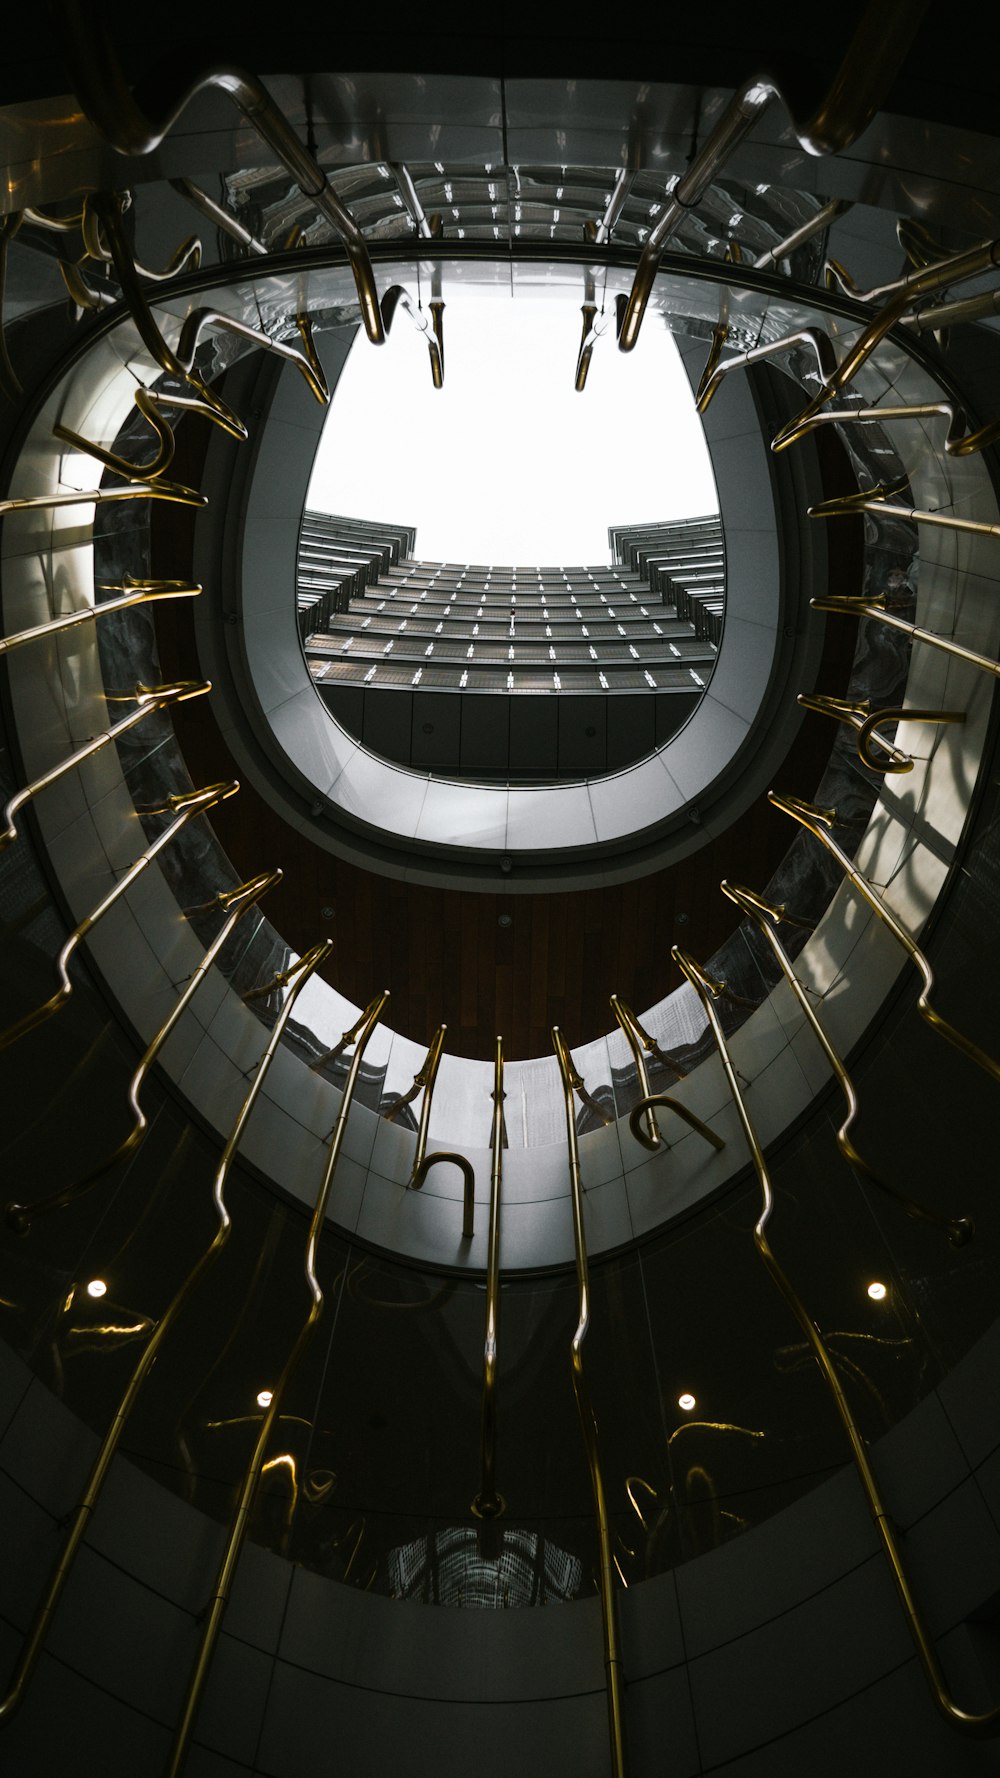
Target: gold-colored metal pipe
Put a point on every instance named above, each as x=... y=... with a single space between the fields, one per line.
x=819 y=822
x=188 y=804
x=987 y=1723
x=799 y=236
x=875 y=608
x=612 y=1657
x=82 y=1514
x=767 y=917
x=596 y=324
x=148 y=699
x=959 y=441
x=422 y=1161
x=852 y=99
x=398 y=297
x=488 y=1504
x=642 y=1121
x=160 y=490
x=234 y=903
x=429 y=228
x=133 y=593
x=248 y=1490
x=113 y=109
x=878 y=500
x=424 y=1078
x=219 y=215
x=810 y=339
x=858 y=715
x=916 y=285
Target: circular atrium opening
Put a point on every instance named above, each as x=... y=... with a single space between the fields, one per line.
x=511 y=563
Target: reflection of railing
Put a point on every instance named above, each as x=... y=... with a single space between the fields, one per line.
x=848 y=106
x=149 y=698
x=248 y=1489
x=83 y=1513
x=642 y=1121
x=819 y=822
x=422 y=1161
x=813 y=226
x=398 y=297
x=859 y=716
x=488 y=1504
x=767 y=917
x=987 y=1723
x=234 y=903
x=184 y=806
x=875 y=608
x=217 y=213
x=612 y=1657
x=137 y=123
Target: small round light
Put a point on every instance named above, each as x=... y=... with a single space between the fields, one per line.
x=876 y=1291
x=97 y=1287
x=265 y=1398
x=687 y=1402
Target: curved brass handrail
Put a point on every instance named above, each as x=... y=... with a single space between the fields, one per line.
x=987 y=1723
x=959 y=441
x=812 y=339
x=767 y=917
x=488 y=1504
x=595 y=325
x=854 y=95
x=650 y=1137
x=423 y=1162
x=423 y=1079
x=189 y=803
x=398 y=297
x=133 y=593
x=248 y=1489
x=859 y=716
x=875 y=608
x=878 y=500
x=588 y=1424
x=651 y=1101
x=135 y=123
x=799 y=236
x=234 y=903
x=819 y=822
x=920 y=283
x=82 y=1514
x=160 y=490
x=148 y=699
x=219 y=215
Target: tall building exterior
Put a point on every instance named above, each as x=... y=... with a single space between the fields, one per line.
x=286 y=1477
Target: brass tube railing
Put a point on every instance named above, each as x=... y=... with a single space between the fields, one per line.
x=877 y=500
x=606 y=1584
x=423 y=1079
x=599 y=233
x=429 y=228
x=641 y=1119
x=767 y=917
x=819 y=822
x=858 y=715
x=874 y=608
x=422 y=1161
x=219 y=215
x=248 y=1490
x=987 y=1723
x=133 y=593
x=488 y=1504
x=398 y=297
x=160 y=490
x=135 y=123
x=810 y=339
x=853 y=97
x=959 y=441
x=149 y=698
x=189 y=803
x=234 y=903
x=82 y=1514
x=799 y=236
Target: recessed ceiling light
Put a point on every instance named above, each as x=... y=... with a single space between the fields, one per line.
x=265 y=1397
x=96 y=1287
x=876 y=1291
x=687 y=1402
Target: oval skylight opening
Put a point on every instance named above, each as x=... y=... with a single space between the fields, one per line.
x=508 y=463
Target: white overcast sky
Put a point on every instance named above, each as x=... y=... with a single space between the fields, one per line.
x=507 y=463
